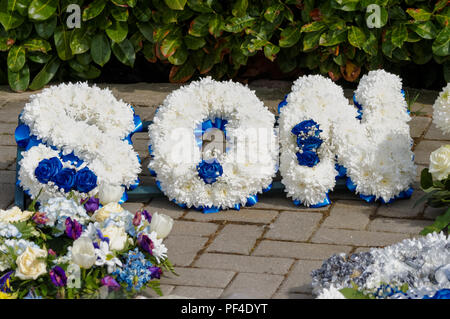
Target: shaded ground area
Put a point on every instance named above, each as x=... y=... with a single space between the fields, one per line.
x=269 y=250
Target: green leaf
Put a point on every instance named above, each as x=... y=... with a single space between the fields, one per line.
x=176 y=4
x=399 y=35
x=93 y=9
x=124 y=51
x=80 y=41
x=20 y=6
x=386 y=46
x=345 y=5
x=26 y=229
x=419 y=14
x=239 y=8
x=426 y=179
x=45 y=29
x=38 y=57
x=194 y=43
x=441 y=46
x=426 y=30
x=9 y=20
x=333 y=37
x=313 y=26
x=271 y=51
x=371 y=45
x=273 y=12
x=16 y=58
x=199 y=26
x=289 y=37
x=142 y=14
x=18 y=81
x=180 y=74
x=356 y=37
x=147 y=30
x=237 y=24
x=37 y=45
x=62 y=43
x=40 y=10
x=179 y=57
x=117 y=31
x=440 y=224
x=91 y=73
x=170 y=44
x=311 y=40
x=120 y=14
x=100 y=49
x=353 y=293
x=215 y=25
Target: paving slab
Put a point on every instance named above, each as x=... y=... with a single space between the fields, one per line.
x=197 y=292
x=239 y=239
x=243 y=215
x=403 y=208
x=423 y=150
x=254 y=286
x=199 y=277
x=350 y=215
x=299 y=278
x=182 y=250
x=187 y=228
x=296 y=226
x=396 y=225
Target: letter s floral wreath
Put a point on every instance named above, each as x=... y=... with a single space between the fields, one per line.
x=78 y=139
x=215 y=179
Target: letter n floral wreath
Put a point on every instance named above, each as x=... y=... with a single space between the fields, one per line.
x=215 y=178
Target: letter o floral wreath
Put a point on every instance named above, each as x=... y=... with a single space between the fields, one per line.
x=77 y=139
x=215 y=179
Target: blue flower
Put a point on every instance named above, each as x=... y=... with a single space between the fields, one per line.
x=209 y=171
x=47 y=169
x=85 y=180
x=65 y=179
x=309 y=143
x=307 y=158
x=306 y=126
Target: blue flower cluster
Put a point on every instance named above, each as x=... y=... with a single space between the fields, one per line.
x=386 y=290
x=137 y=271
x=308 y=141
x=51 y=170
x=209 y=170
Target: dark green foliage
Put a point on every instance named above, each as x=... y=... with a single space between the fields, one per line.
x=217 y=37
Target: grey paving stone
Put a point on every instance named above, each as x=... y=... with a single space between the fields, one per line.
x=193 y=228
x=238 y=239
x=150 y=293
x=418 y=125
x=6 y=195
x=288 y=295
x=298 y=250
x=432 y=213
x=395 y=225
x=277 y=266
x=199 y=277
x=435 y=133
x=197 y=292
x=7 y=156
x=356 y=237
x=132 y=207
x=7 y=177
x=423 y=150
x=297 y=226
x=243 y=215
x=164 y=206
x=183 y=249
x=7 y=140
x=404 y=208
x=8 y=128
x=254 y=286
x=281 y=202
x=350 y=215
x=299 y=279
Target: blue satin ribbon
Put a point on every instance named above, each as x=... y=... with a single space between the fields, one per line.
x=72 y=158
x=184 y=206
x=268 y=188
x=22 y=135
x=371 y=198
x=251 y=201
x=282 y=104
x=218 y=123
x=124 y=198
x=134 y=185
x=350 y=185
x=342 y=171
x=237 y=207
x=152 y=172
x=367 y=198
x=209 y=210
x=325 y=202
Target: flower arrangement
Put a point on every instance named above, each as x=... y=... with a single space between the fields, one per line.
x=435 y=180
x=412 y=269
x=191 y=173
x=68 y=249
x=77 y=140
x=323 y=137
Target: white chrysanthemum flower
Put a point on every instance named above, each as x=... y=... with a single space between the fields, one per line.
x=330 y=293
x=441 y=110
x=88 y=121
x=159 y=250
x=248 y=165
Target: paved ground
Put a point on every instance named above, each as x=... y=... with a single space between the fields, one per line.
x=266 y=251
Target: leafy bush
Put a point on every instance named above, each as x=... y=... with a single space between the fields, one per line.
x=216 y=37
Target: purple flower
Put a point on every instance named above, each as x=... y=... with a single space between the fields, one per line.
x=155 y=272
x=137 y=219
x=40 y=218
x=4 y=282
x=110 y=282
x=145 y=243
x=58 y=276
x=73 y=228
x=92 y=204
x=147 y=215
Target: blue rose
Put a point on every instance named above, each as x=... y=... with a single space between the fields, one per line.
x=305 y=127
x=65 y=179
x=47 y=169
x=307 y=158
x=85 y=180
x=440 y=294
x=209 y=171
x=309 y=143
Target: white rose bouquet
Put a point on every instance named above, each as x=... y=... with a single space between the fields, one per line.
x=67 y=249
x=435 y=180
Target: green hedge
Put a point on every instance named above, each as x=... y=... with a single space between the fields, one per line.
x=217 y=37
